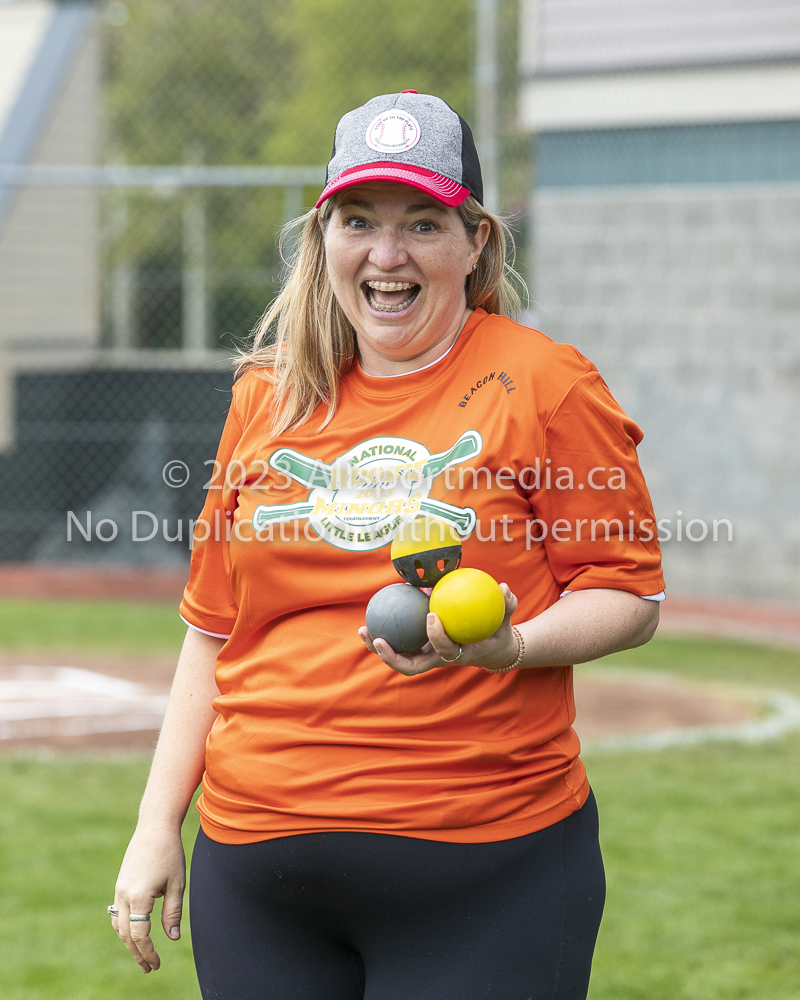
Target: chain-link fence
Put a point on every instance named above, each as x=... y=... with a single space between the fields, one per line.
x=149 y=155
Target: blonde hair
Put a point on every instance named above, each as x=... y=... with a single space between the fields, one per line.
x=304 y=343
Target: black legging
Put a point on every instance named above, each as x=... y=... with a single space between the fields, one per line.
x=372 y=916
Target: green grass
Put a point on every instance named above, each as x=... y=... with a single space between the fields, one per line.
x=714 y=660
x=702 y=845
x=123 y=627
x=702 y=852
x=129 y=627
x=64 y=826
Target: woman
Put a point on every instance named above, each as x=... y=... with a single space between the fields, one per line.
x=377 y=825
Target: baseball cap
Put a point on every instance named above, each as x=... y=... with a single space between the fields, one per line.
x=409 y=138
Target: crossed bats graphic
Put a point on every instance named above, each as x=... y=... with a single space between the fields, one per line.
x=314 y=473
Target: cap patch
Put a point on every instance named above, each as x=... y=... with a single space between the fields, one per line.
x=393 y=132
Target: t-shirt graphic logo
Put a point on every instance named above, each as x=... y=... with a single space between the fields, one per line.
x=360 y=500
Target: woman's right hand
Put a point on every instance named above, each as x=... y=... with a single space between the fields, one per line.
x=154 y=865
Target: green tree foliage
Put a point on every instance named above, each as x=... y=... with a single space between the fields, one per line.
x=195 y=80
x=250 y=82
x=347 y=52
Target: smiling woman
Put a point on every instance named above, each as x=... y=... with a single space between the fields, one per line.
x=398 y=263
x=306 y=342
x=377 y=823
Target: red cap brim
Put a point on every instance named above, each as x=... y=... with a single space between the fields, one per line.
x=439 y=187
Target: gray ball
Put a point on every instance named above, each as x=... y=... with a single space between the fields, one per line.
x=398 y=614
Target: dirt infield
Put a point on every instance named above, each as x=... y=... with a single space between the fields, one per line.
x=612 y=705
x=151 y=675
x=86 y=581
x=608 y=705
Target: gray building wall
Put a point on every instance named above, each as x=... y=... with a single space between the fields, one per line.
x=666 y=221
x=49 y=236
x=687 y=297
x=564 y=36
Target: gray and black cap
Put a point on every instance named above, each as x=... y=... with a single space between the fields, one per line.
x=409 y=138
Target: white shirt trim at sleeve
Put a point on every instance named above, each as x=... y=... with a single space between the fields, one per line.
x=214 y=635
x=661 y=596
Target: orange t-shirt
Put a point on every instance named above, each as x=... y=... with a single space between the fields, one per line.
x=315 y=733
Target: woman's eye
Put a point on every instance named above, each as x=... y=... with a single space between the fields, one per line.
x=356 y=222
x=425 y=227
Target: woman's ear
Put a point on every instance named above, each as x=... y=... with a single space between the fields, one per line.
x=478 y=242
x=481 y=237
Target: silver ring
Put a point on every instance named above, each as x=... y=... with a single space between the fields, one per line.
x=138 y=917
x=111 y=911
x=457 y=657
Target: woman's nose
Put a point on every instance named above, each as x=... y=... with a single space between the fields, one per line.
x=387 y=250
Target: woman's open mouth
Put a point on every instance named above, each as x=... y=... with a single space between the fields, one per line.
x=390 y=296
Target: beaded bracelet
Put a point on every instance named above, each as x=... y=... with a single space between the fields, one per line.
x=517 y=659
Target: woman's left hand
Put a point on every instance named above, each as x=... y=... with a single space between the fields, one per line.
x=498 y=650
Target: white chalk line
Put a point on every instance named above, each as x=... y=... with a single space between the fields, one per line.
x=784 y=718
x=42 y=702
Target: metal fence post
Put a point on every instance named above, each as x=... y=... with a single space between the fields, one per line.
x=122 y=279
x=292 y=202
x=195 y=296
x=6 y=399
x=485 y=82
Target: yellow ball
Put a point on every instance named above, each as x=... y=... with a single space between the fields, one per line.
x=470 y=604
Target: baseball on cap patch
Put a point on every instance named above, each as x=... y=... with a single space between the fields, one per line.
x=393 y=132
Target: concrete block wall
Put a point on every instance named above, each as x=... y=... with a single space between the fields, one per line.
x=687 y=298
